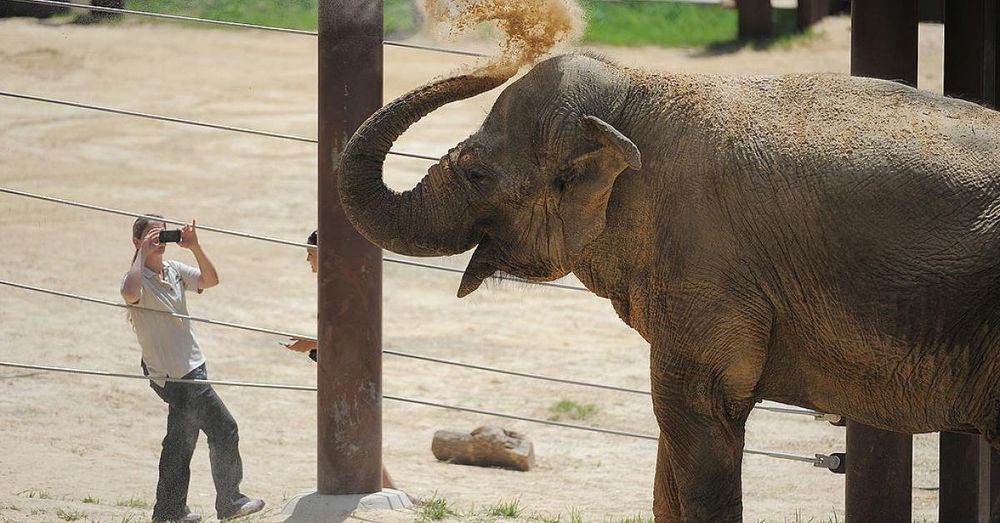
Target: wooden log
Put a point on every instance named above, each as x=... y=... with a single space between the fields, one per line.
x=485 y=447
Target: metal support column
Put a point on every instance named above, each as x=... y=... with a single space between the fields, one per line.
x=884 y=39
x=964 y=478
x=350 y=269
x=879 y=475
x=811 y=11
x=970 y=50
x=968 y=484
x=879 y=463
x=754 y=18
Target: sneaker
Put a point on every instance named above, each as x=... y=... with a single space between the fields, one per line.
x=190 y=517
x=249 y=506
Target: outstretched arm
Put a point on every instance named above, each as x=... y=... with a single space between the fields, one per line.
x=132 y=284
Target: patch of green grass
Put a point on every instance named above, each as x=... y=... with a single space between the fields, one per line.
x=569 y=409
x=92 y=500
x=665 y=24
x=400 y=17
x=69 y=515
x=133 y=502
x=34 y=493
x=575 y=516
x=505 y=509
x=657 y=23
x=669 y=24
x=435 y=509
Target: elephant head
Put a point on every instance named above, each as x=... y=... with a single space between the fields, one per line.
x=530 y=188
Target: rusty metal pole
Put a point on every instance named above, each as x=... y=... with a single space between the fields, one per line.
x=967 y=481
x=879 y=463
x=349 y=374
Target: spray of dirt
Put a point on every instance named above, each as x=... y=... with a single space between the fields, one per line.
x=531 y=28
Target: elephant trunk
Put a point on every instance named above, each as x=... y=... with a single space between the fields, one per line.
x=433 y=218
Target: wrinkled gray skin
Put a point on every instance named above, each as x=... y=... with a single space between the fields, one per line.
x=820 y=240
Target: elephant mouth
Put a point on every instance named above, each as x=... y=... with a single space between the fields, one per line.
x=481 y=267
x=488 y=261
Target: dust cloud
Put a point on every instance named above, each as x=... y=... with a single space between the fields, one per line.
x=531 y=28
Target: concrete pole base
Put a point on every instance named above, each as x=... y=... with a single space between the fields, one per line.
x=311 y=507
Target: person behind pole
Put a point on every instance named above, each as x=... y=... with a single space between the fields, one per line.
x=300 y=345
x=170 y=350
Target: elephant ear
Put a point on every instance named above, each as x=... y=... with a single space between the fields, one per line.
x=587 y=182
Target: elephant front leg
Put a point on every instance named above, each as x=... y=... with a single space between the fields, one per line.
x=666 y=504
x=699 y=466
x=704 y=373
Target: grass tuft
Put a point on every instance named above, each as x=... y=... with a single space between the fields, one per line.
x=92 y=500
x=34 y=494
x=69 y=515
x=546 y=518
x=133 y=502
x=505 y=509
x=435 y=509
x=569 y=409
x=637 y=518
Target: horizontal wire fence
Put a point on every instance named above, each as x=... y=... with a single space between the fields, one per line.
x=185 y=121
x=250 y=328
x=240 y=25
x=818 y=460
x=240 y=234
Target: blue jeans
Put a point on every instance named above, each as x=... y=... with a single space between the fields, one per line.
x=194 y=407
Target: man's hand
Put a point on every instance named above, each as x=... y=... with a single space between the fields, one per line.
x=189 y=236
x=298 y=345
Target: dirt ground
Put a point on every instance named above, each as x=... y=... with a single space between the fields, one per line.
x=64 y=439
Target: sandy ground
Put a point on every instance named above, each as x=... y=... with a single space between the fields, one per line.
x=67 y=438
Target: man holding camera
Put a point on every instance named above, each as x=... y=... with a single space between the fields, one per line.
x=170 y=350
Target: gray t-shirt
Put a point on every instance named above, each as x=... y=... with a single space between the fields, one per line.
x=169 y=347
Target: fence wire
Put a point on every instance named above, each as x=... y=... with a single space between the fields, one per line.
x=240 y=234
x=185 y=121
x=816 y=461
x=779 y=409
x=240 y=25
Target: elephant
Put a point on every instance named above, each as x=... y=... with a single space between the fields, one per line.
x=821 y=240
